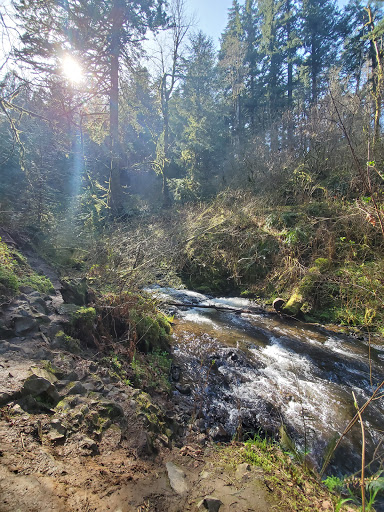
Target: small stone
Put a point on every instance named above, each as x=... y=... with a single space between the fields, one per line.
x=184 y=390
x=55 y=437
x=16 y=409
x=58 y=426
x=212 y=504
x=205 y=474
x=86 y=443
x=177 y=478
x=218 y=433
x=164 y=439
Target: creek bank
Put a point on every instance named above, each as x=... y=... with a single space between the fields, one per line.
x=75 y=436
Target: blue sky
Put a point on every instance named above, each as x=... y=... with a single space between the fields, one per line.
x=212 y=15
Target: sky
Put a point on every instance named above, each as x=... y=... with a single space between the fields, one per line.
x=212 y=15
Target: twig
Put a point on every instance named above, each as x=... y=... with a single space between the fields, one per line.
x=350 y=425
x=362 y=481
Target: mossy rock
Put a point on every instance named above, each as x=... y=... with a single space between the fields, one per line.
x=65 y=342
x=74 y=291
x=150 y=412
x=153 y=333
x=84 y=317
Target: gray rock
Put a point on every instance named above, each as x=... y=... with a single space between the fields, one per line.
x=40 y=372
x=75 y=388
x=218 y=433
x=86 y=443
x=4 y=346
x=35 y=385
x=242 y=470
x=43 y=354
x=184 y=390
x=41 y=382
x=211 y=503
x=74 y=291
x=96 y=386
x=67 y=309
x=5 y=398
x=23 y=324
x=26 y=289
x=72 y=376
x=58 y=426
x=177 y=478
x=35 y=293
x=39 y=305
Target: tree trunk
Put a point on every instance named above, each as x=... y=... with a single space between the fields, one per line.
x=115 y=196
x=378 y=78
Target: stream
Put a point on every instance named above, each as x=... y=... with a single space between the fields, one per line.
x=252 y=372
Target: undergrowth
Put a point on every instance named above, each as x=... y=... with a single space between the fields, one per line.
x=237 y=244
x=294 y=486
x=15 y=273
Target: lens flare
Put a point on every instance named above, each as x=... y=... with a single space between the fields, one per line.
x=72 y=69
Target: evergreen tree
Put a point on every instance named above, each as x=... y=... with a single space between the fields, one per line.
x=200 y=112
x=101 y=34
x=320 y=34
x=233 y=67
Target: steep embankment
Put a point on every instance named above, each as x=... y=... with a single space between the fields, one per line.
x=326 y=256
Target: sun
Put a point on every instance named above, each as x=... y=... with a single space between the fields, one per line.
x=72 y=69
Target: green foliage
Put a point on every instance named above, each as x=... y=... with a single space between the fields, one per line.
x=38 y=282
x=84 y=316
x=286 y=477
x=153 y=333
x=15 y=272
x=151 y=371
x=334 y=483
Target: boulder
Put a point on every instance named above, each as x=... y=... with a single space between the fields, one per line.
x=74 y=388
x=38 y=304
x=24 y=323
x=41 y=383
x=74 y=291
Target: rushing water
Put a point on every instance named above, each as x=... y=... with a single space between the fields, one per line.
x=253 y=371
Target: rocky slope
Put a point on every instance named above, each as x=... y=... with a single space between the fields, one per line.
x=75 y=437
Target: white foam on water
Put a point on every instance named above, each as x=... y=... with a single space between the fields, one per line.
x=196 y=317
x=234 y=302
x=337 y=346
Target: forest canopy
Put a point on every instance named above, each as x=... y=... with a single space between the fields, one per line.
x=116 y=110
